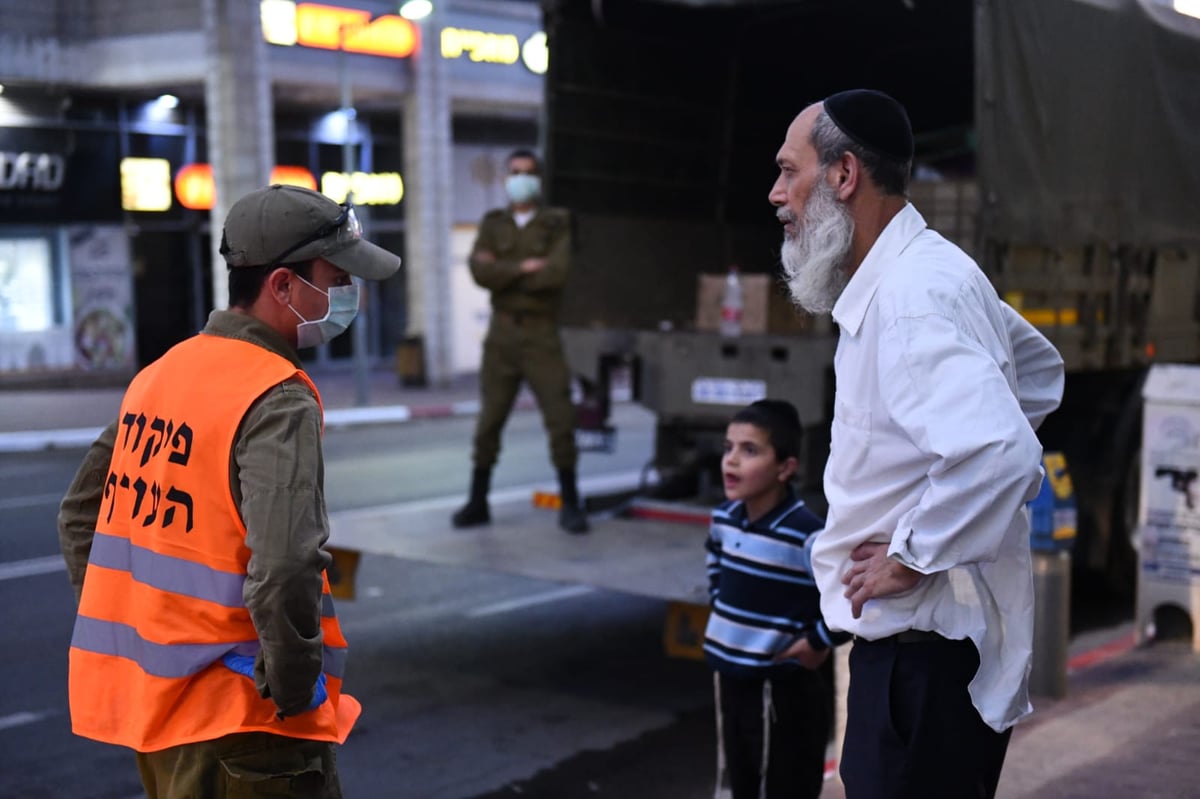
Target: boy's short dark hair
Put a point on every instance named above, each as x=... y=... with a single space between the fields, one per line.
x=781 y=422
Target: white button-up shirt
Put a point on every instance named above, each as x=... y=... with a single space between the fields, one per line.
x=940 y=386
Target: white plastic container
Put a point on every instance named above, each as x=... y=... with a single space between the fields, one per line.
x=732 y=304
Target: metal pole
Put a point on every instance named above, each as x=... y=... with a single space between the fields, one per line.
x=1051 y=623
x=359 y=327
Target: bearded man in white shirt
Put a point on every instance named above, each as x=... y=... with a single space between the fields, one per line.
x=940 y=388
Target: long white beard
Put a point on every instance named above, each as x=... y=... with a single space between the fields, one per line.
x=816 y=255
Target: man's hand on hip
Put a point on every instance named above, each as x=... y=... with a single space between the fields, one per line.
x=244 y=665
x=802 y=651
x=873 y=574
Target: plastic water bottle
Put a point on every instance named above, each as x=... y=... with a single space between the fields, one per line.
x=731 y=304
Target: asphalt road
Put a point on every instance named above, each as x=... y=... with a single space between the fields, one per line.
x=475 y=685
x=471 y=681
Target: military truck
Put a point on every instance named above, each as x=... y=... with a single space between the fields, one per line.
x=1057 y=141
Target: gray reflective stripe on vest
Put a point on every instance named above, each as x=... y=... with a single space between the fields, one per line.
x=167 y=573
x=177 y=575
x=173 y=660
x=161 y=660
x=333 y=660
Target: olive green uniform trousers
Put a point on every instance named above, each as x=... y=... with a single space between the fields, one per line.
x=524 y=347
x=249 y=764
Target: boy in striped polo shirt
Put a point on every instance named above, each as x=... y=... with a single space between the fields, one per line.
x=766 y=642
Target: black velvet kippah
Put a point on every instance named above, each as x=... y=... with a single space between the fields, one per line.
x=873 y=120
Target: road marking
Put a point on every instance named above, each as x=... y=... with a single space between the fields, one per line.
x=34 y=440
x=23 y=718
x=530 y=601
x=613 y=481
x=388 y=620
x=347 y=417
x=27 y=568
x=10 y=503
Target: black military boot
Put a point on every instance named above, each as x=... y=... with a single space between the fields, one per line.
x=476 y=511
x=571 y=517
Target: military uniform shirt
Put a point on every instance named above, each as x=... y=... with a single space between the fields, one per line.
x=547 y=235
x=276 y=474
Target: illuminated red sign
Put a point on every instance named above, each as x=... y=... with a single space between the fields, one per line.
x=196 y=189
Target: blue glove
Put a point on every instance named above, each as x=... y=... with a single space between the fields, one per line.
x=319 y=693
x=244 y=665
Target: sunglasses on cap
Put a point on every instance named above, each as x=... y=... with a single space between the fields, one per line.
x=347 y=227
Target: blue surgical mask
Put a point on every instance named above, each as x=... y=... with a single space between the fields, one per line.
x=343 y=307
x=523 y=188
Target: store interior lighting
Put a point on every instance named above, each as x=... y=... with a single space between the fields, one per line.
x=160 y=109
x=416 y=9
x=333 y=127
x=1190 y=8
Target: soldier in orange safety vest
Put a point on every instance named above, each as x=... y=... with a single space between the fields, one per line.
x=206 y=638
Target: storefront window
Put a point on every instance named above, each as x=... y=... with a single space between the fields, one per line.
x=26 y=285
x=33 y=336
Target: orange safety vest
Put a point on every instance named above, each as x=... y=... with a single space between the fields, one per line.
x=162 y=596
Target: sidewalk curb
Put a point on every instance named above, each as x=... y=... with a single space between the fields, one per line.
x=336 y=418
x=1103 y=651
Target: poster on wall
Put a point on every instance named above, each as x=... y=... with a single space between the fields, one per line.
x=102 y=293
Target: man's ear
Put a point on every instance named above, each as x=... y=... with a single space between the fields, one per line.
x=847 y=171
x=279 y=285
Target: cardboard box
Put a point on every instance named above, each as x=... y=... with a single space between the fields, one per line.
x=766 y=306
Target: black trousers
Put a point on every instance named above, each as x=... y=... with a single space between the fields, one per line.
x=798 y=719
x=911 y=730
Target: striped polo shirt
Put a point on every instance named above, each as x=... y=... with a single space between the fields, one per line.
x=761 y=588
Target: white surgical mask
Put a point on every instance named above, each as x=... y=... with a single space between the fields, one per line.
x=522 y=188
x=343 y=307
